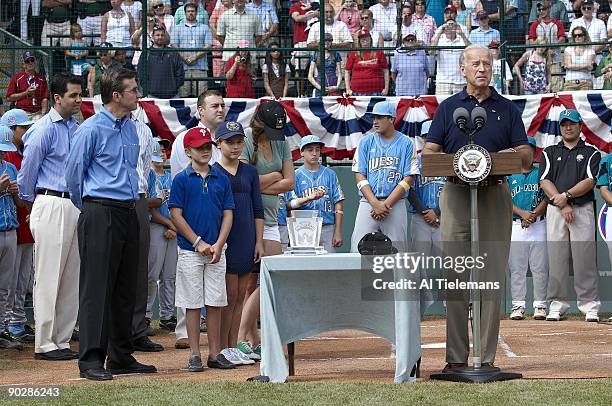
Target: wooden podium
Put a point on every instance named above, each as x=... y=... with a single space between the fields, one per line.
x=502 y=163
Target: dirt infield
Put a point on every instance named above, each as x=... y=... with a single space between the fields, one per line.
x=539 y=350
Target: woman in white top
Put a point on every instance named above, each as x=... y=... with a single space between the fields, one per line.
x=157 y=8
x=117 y=26
x=134 y=8
x=578 y=61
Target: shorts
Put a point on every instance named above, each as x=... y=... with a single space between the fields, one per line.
x=199 y=283
x=271 y=233
x=300 y=59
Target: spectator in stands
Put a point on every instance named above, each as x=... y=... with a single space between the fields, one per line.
x=604 y=68
x=57 y=22
x=23 y=14
x=237 y=24
x=410 y=69
x=426 y=21
x=329 y=65
x=28 y=89
x=162 y=16
x=385 y=20
x=90 y=18
x=105 y=63
x=267 y=17
x=464 y=17
x=300 y=13
x=165 y=73
x=349 y=15
x=596 y=30
x=513 y=23
x=449 y=79
x=557 y=11
x=552 y=31
x=450 y=13
x=338 y=29
x=239 y=73
x=117 y=26
x=192 y=34
x=484 y=33
x=137 y=38
x=578 y=61
x=502 y=87
x=408 y=27
x=275 y=72
x=135 y=10
x=537 y=78
x=366 y=20
x=217 y=62
x=366 y=72
x=201 y=14
x=75 y=56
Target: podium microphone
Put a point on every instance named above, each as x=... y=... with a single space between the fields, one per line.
x=479 y=119
x=460 y=118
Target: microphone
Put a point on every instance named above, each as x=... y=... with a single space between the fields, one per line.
x=479 y=118
x=460 y=118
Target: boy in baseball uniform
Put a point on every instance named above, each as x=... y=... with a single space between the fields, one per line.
x=317 y=188
x=604 y=183
x=528 y=243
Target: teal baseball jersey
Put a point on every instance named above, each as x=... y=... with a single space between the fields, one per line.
x=525 y=190
x=605 y=172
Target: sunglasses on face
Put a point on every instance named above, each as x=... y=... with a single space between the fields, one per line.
x=587 y=8
x=578 y=35
x=158 y=6
x=365 y=17
x=30 y=60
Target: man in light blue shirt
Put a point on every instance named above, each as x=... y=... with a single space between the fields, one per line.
x=192 y=34
x=410 y=69
x=103 y=181
x=268 y=17
x=483 y=34
x=53 y=221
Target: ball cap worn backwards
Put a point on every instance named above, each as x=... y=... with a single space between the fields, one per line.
x=274 y=118
x=196 y=137
x=570 y=114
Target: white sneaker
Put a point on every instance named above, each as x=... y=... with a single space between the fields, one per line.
x=231 y=356
x=555 y=315
x=539 y=313
x=592 y=317
x=242 y=357
x=518 y=313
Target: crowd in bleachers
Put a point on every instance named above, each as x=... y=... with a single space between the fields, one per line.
x=407 y=66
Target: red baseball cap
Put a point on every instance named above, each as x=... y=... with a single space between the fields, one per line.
x=451 y=7
x=363 y=32
x=196 y=137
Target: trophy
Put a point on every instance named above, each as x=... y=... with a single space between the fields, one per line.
x=304 y=228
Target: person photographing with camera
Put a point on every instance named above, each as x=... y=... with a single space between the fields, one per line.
x=239 y=74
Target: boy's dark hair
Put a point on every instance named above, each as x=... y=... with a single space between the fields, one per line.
x=59 y=83
x=112 y=81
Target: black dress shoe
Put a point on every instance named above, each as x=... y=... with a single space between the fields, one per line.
x=452 y=366
x=55 y=355
x=134 y=368
x=96 y=374
x=70 y=353
x=145 y=344
x=220 y=363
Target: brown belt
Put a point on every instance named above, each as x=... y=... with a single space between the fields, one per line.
x=490 y=181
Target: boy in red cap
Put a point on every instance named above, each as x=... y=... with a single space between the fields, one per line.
x=200 y=270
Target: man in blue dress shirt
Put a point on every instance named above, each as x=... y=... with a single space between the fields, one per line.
x=53 y=221
x=103 y=182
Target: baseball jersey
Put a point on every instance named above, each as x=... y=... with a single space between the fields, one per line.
x=525 y=190
x=324 y=179
x=605 y=172
x=281 y=214
x=162 y=186
x=385 y=163
x=428 y=189
x=8 y=210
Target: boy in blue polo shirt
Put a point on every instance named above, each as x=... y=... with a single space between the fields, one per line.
x=8 y=235
x=201 y=205
x=317 y=188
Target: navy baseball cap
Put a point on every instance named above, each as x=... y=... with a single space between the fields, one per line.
x=384 y=108
x=570 y=114
x=15 y=117
x=27 y=55
x=229 y=129
x=6 y=139
x=311 y=139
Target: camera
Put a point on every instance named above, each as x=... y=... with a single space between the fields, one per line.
x=314 y=6
x=243 y=59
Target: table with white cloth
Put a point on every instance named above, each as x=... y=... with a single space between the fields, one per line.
x=302 y=296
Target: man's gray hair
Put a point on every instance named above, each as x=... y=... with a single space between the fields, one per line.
x=471 y=47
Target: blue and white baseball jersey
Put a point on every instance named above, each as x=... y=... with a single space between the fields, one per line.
x=8 y=211
x=281 y=214
x=428 y=189
x=385 y=163
x=525 y=190
x=306 y=183
x=162 y=186
x=605 y=172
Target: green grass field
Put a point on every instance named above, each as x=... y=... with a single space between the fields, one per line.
x=523 y=392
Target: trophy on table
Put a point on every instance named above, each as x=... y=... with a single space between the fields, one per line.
x=304 y=228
